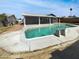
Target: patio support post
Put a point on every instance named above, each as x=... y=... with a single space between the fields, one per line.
x=50 y=23
x=59 y=27
x=39 y=24
x=24 y=22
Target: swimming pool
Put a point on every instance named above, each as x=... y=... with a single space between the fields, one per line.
x=44 y=31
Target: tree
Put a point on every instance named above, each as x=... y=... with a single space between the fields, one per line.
x=74 y=16
x=3 y=19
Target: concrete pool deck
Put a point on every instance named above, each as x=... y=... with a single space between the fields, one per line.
x=21 y=44
x=41 y=54
x=10 y=42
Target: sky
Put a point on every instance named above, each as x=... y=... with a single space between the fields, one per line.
x=57 y=7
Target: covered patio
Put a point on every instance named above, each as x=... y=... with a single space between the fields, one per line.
x=39 y=19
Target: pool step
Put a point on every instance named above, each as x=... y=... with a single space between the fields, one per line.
x=62 y=36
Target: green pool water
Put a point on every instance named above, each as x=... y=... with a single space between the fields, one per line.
x=43 y=31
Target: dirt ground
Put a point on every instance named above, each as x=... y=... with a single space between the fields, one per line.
x=14 y=28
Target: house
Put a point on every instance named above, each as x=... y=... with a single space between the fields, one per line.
x=6 y=20
x=74 y=20
x=20 y=21
x=51 y=15
x=11 y=19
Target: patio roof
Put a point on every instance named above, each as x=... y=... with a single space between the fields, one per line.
x=37 y=15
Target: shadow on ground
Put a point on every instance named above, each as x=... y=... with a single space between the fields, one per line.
x=72 y=52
